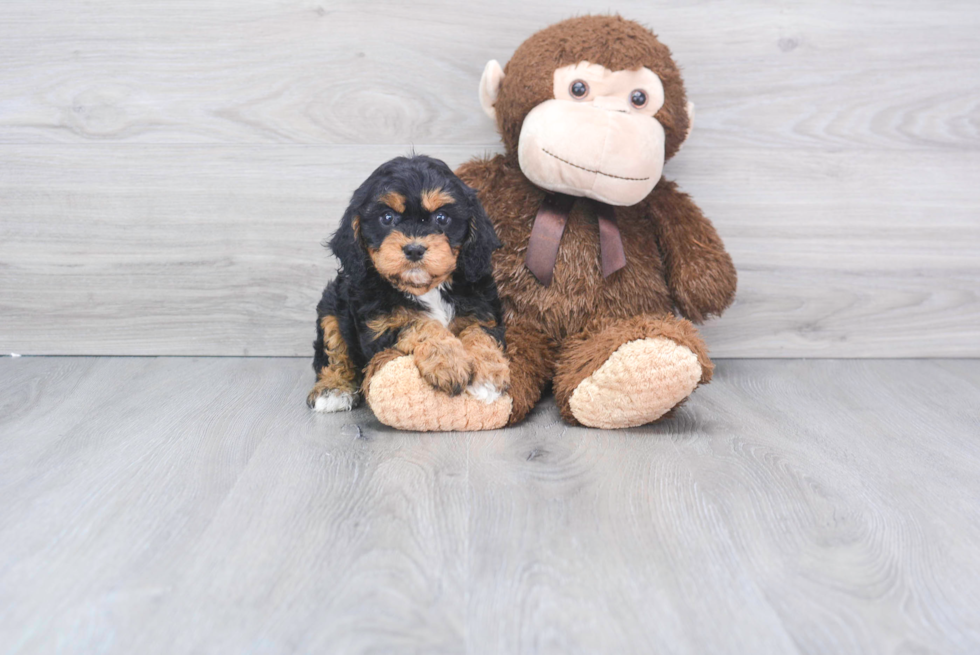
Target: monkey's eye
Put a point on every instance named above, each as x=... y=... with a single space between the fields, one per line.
x=579 y=89
x=638 y=98
x=387 y=218
x=442 y=219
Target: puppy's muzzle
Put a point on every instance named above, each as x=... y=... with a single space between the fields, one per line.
x=414 y=252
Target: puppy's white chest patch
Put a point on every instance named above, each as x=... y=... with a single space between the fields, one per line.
x=436 y=307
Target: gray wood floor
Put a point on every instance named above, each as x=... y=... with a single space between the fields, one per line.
x=172 y=505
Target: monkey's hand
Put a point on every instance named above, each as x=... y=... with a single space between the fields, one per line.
x=703 y=286
x=700 y=274
x=400 y=397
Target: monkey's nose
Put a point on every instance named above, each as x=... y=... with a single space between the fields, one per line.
x=414 y=251
x=611 y=103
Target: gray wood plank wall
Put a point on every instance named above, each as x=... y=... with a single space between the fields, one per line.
x=167 y=169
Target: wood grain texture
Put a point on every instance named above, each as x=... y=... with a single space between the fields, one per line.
x=168 y=169
x=821 y=74
x=195 y=505
x=189 y=250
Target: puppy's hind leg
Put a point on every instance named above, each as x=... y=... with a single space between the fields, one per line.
x=337 y=379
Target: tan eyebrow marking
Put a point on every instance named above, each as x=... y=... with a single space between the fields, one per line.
x=433 y=199
x=394 y=200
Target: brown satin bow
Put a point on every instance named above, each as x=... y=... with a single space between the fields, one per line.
x=549 y=224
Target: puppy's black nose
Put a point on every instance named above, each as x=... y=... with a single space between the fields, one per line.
x=414 y=251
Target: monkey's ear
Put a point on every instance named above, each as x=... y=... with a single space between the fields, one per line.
x=346 y=245
x=493 y=76
x=690 y=122
x=480 y=243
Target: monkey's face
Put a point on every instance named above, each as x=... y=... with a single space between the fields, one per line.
x=597 y=137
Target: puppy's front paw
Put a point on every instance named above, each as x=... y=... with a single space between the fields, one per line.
x=332 y=400
x=490 y=369
x=485 y=392
x=444 y=364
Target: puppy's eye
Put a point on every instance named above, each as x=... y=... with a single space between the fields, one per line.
x=638 y=98
x=387 y=218
x=578 y=88
x=442 y=219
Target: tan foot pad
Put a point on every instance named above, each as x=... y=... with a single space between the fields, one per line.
x=401 y=399
x=639 y=383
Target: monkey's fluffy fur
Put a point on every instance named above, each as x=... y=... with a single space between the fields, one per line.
x=676 y=262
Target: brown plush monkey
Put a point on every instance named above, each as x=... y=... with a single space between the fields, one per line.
x=599 y=250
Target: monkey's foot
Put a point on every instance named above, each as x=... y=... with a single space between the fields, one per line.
x=400 y=398
x=640 y=382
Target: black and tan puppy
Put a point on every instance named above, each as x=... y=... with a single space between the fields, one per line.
x=415 y=279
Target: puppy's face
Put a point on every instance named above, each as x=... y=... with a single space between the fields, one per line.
x=413 y=225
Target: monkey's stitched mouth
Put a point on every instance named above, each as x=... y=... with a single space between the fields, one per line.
x=598 y=172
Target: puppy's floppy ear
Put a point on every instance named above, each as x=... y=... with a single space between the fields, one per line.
x=474 y=257
x=346 y=244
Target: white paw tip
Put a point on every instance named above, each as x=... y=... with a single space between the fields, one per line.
x=484 y=392
x=335 y=401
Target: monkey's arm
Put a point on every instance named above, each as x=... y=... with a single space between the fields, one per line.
x=700 y=274
x=532 y=356
x=482 y=173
